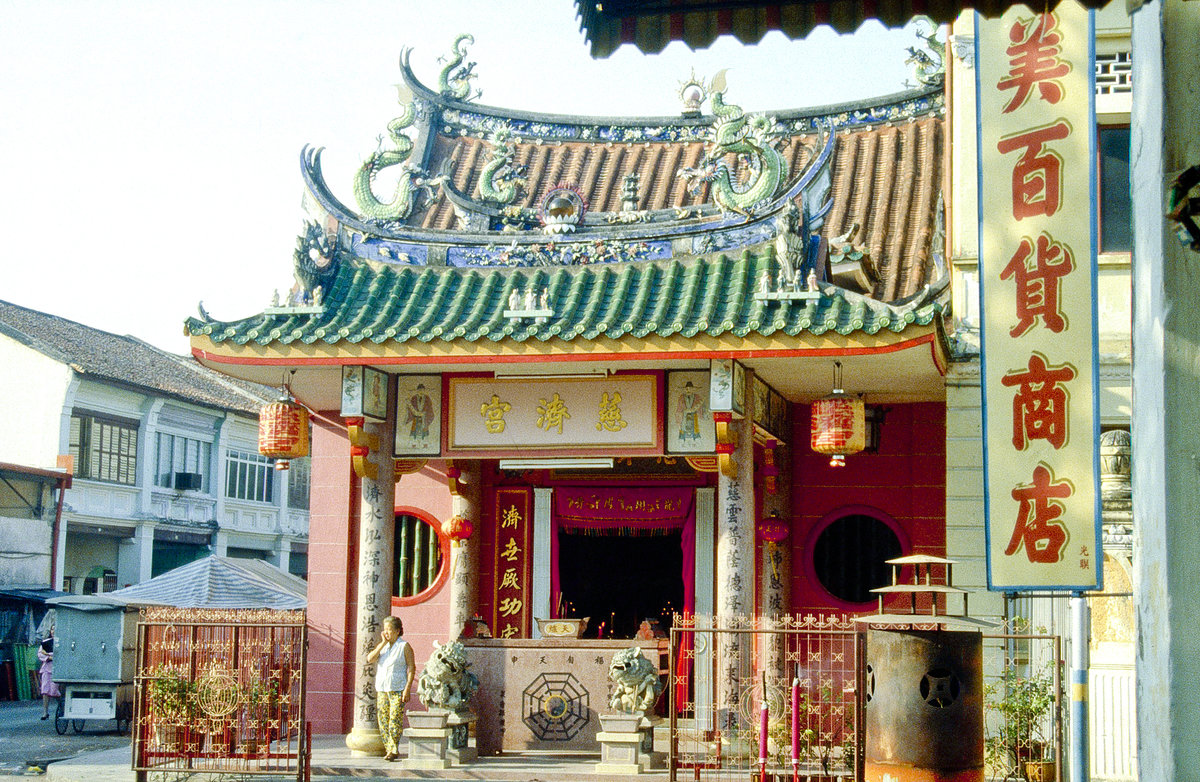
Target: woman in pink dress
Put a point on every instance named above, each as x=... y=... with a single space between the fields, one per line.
x=46 y=673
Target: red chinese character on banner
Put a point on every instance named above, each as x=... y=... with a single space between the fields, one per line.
x=1034 y=61
x=1037 y=176
x=1038 y=528
x=1039 y=405
x=1038 y=287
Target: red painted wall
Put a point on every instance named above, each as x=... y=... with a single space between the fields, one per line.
x=333 y=562
x=904 y=481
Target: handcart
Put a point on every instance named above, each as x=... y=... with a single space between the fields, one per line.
x=95 y=645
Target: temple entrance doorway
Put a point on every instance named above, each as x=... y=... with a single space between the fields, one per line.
x=621 y=580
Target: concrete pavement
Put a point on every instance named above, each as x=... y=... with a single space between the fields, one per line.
x=331 y=760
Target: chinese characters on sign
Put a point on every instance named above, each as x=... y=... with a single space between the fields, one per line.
x=615 y=415
x=512 y=563
x=1037 y=291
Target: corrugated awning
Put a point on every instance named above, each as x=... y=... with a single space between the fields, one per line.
x=652 y=24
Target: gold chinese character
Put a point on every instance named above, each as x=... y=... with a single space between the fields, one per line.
x=511 y=552
x=510 y=631
x=510 y=606
x=610 y=413
x=512 y=518
x=493 y=414
x=510 y=579
x=552 y=414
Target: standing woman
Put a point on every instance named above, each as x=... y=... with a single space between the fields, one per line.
x=393 y=682
x=46 y=674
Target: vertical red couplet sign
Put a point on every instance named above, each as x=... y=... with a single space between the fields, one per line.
x=513 y=562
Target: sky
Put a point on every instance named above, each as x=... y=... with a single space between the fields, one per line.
x=149 y=150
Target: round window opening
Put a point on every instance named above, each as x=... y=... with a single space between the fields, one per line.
x=850 y=557
x=418 y=556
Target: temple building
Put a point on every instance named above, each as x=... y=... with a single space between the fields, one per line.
x=623 y=369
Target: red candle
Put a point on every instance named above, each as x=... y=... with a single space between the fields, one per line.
x=795 y=721
x=762 y=734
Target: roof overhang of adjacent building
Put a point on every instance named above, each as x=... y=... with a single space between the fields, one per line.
x=652 y=24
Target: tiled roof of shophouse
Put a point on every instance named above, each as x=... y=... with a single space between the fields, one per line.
x=128 y=361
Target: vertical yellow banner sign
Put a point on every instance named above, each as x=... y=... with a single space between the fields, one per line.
x=1037 y=272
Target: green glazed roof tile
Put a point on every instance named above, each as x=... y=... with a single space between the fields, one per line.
x=381 y=304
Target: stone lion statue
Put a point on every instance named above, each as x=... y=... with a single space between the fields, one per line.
x=445 y=682
x=636 y=685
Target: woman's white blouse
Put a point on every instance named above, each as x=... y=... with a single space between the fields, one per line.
x=391 y=670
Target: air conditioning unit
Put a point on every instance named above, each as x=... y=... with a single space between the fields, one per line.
x=188 y=481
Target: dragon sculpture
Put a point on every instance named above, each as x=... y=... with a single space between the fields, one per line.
x=499 y=181
x=636 y=685
x=445 y=682
x=411 y=180
x=455 y=79
x=751 y=138
x=929 y=61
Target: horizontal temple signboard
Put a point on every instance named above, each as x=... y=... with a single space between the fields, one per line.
x=617 y=415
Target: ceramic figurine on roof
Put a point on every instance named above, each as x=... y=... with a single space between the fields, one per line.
x=500 y=182
x=410 y=181
x=455 y=79
x=736 y=134
x=930 y=59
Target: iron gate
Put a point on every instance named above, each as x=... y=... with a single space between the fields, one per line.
x=723 y=668
x=714 y=704
x=221 y=691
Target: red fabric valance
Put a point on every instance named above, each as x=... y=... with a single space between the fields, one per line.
x=589 y=508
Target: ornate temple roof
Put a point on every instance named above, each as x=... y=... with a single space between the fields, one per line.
x=509 y=237
x=475 y=179
x=388 y=304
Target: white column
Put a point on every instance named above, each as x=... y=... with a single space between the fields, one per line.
x=464 y=556
x=1166 y=410
x=735 y=562
x=539 y=596
x=376 y=520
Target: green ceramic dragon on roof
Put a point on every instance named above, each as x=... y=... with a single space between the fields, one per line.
x=751 y=136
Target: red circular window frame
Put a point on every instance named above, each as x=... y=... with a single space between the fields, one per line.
x=810 y=544
x=443 y=572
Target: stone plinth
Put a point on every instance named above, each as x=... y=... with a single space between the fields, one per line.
x=627 y=745
x=460 y=750
x=428 y=738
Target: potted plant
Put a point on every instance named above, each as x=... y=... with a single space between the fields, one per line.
x=260 y=701
x=1020 y=708
x=170 y=698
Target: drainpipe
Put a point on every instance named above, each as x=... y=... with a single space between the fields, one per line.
x=64 y=483
x=1080 y=640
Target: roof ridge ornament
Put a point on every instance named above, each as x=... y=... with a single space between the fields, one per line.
x=752 y=138
x=501 y=181
x=411 y=181
x=929 y=61
x=455 y=79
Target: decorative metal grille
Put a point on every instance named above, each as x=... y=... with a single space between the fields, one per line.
x=714 y=728
x=1114 y=73
x=220 y=691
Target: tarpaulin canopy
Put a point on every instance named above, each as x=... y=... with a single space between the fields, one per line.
x=220 y=582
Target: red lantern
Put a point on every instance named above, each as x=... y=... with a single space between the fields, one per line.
x=839 y=425
x=458 y=529
x=283 y=431
x=773 y=529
